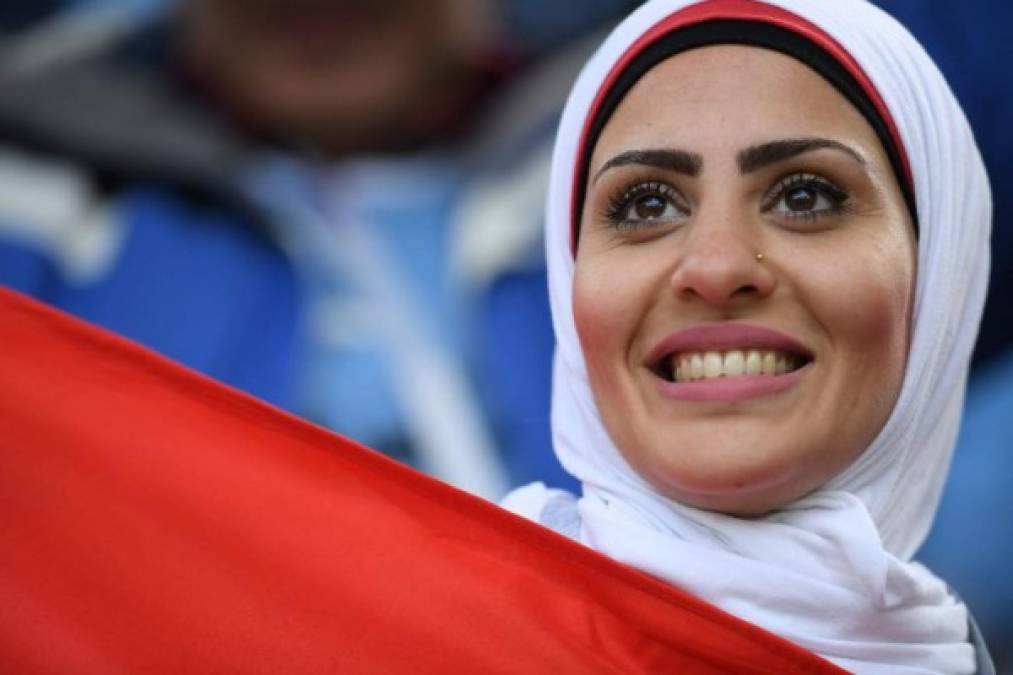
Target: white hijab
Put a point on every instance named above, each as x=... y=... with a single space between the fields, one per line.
x=831 y=572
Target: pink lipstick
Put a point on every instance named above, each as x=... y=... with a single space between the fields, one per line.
x=727 y=362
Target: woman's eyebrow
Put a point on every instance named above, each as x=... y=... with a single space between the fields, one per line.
x=680 y=161
x=759 y=156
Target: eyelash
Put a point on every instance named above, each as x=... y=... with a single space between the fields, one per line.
x=620 y=202
x=836 y=197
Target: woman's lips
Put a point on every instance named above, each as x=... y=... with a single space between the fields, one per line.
x=732 y=389
x=727 y=362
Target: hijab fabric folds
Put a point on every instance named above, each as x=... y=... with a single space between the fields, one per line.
x=832 y=571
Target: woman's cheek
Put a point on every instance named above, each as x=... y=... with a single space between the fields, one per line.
x=879 y=311
x=589 y=315
x=601 y=311
x=866 y=317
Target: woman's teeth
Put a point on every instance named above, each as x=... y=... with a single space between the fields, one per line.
x=692 y=366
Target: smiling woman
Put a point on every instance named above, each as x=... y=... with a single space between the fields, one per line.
x=676 y=315
x=767 y=239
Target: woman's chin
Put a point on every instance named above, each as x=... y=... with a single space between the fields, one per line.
x=740 y=491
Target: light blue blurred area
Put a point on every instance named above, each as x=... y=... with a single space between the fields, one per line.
x=971 y=543
x=136 y=8
x=132 y=4
x=539 y=25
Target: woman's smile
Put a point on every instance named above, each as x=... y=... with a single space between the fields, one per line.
x=726 y=362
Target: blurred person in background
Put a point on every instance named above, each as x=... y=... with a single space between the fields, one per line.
x=332 y=205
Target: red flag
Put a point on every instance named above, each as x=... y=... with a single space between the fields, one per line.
x=153 y=520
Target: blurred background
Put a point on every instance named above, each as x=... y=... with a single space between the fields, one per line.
x=336 y=206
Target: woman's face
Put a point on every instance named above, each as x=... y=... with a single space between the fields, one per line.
x=728 y=379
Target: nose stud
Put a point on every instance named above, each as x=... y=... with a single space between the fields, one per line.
x=760 y=257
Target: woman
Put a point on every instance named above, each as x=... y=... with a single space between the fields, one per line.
x=767 y=241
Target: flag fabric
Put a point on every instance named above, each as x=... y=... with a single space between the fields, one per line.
x=153 y=520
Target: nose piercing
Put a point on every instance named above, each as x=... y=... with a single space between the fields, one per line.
x=760 y=257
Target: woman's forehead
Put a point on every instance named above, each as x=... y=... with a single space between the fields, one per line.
x=723 y=98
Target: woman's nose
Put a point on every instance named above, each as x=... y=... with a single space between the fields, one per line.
x=723 y=267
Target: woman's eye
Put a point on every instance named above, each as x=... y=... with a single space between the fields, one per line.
x=644 y=204
x=805 y=196
x=652 y=206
